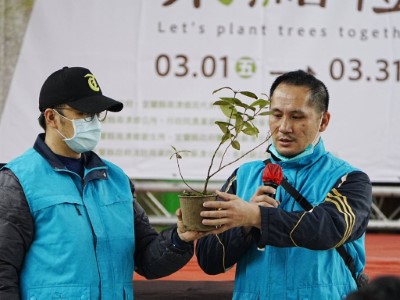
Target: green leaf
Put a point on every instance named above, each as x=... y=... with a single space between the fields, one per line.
x=226 y=2
x=231 y=100
x=223 y=126
x=251 y=131
x=222 y=123
x=225 y=87
x=243 y=105
x=249 y=94
x=250 y=107
x=261 y=103
x=248 y=124
x=239 y=124
x=265 y=113
x=269 y=101
x=236 y=145
x=228 y=111
x=221 y=102
x=226 y=137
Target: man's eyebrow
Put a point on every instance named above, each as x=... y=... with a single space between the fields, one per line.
x=297 y=111
x=294 y=111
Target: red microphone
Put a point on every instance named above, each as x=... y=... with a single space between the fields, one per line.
x=272 y=176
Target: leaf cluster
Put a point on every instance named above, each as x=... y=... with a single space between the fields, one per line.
x=239 y=119
x=240 y=115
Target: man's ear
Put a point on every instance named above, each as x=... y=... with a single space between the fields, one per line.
x=325 y=121
x=49 y=116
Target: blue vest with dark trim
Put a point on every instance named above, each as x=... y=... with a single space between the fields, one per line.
x=295 y=272
x=83 y=245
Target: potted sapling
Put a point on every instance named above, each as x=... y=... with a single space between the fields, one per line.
x=239 y=119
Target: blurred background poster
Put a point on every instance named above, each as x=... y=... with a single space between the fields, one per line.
x=164 y=58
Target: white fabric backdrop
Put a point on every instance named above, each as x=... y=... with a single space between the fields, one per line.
x=350 y=45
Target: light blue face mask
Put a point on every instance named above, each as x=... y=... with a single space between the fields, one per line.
x=309 y=150
x=86 y=134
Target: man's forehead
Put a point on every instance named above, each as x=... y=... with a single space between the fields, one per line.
x=291 y=91
x=293 y=98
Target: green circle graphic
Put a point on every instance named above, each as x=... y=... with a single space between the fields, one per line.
x=245 y=67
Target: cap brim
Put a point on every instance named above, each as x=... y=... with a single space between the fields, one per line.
x=96 y=104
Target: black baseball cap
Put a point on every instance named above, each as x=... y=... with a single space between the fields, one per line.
x=78 y=88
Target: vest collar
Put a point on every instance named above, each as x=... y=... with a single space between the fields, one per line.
x=305 y=158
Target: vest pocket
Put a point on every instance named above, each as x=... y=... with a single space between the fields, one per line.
x=59 y=293
x=116 y=198
x=322 y=292
x=46 y=202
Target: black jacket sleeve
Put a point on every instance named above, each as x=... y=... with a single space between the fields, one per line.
x=218 y=253
x=342 y=217
x=156 y=255
x=16 y=233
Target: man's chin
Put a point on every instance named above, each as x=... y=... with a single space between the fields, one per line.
x=287 y=153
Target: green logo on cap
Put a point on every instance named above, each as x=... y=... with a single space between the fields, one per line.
x=92 y=82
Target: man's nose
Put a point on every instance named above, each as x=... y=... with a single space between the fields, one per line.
x=285 y=125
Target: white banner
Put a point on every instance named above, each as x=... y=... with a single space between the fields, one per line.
x=163 y=59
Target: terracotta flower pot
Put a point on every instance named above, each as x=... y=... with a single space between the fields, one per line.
x=191 y=207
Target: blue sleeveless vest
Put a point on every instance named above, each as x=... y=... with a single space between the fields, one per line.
x=83 y=245
x=295 y=272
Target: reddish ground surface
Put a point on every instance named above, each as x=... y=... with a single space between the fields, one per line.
x=383 y=254
x=383 y=257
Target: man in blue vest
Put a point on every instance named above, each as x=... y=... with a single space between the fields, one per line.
x=292 y=247
x=70 y=227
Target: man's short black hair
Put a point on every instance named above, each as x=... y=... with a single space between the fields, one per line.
x=319 y=95
x=384 y=287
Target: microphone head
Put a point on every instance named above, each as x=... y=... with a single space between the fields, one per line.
x=272 y=174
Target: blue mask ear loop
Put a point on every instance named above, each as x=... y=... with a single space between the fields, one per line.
x=73 y=125
x=317 y=136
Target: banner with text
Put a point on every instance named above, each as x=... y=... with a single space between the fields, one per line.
x=164 y=58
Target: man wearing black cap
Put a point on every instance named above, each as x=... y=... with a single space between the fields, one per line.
x=69 y=225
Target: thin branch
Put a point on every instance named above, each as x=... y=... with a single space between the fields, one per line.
x=180 y=174
x=231 y=141
x=240 y=157
x=210 y=166
x=215 y=153
x=226 y=150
